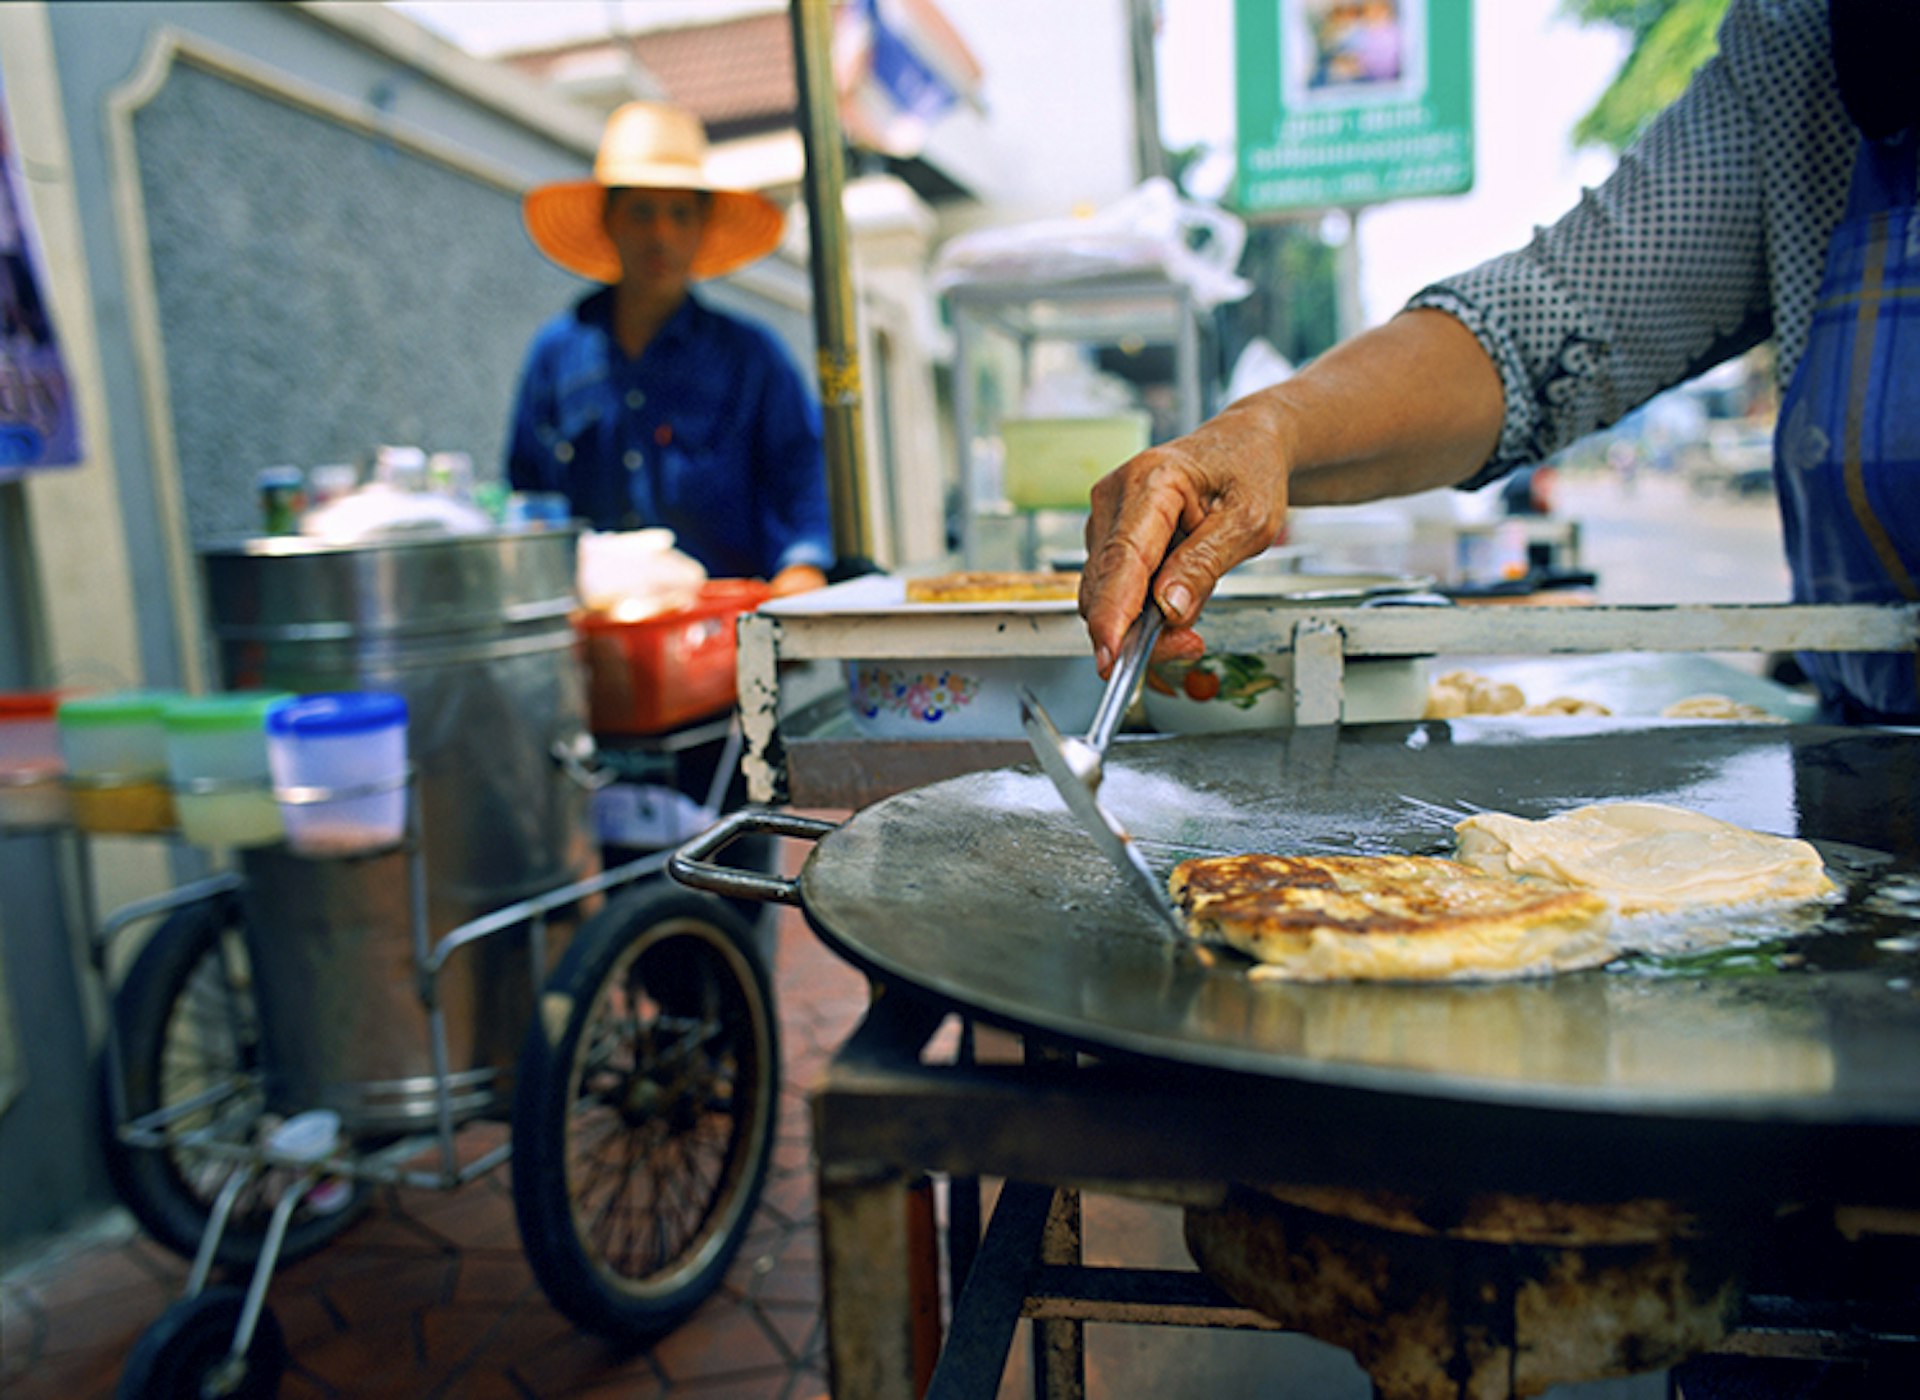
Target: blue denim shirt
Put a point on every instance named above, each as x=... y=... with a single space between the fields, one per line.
x=709 y=432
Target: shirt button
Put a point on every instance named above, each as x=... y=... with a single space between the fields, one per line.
x=563 y=451
x=634 y=461
x=635 y=398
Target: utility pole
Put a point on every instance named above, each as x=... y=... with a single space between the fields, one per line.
x=835 y=329
x=1149 y=158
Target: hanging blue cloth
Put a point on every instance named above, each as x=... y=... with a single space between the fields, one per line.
x=1847 y=448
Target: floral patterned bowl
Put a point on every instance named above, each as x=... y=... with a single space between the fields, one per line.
x=970 y=697
x=1227 y=690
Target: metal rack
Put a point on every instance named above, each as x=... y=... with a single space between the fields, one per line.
x=1129 y=311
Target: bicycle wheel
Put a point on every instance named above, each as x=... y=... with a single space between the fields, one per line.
x=187 y=1025
x=643 y=1116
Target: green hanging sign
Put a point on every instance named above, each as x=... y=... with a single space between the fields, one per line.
x=1343 y=103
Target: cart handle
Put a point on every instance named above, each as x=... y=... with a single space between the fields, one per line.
x=692 y=864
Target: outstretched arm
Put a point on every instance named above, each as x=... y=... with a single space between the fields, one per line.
x=1413 y=404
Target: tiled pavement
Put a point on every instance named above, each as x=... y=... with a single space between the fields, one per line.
x=430 y=1294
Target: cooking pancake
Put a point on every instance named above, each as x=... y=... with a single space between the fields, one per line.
x=1644 y=856
x=995 y=586
x=1411 y=918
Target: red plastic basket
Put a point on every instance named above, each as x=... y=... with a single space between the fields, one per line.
x=667 y=670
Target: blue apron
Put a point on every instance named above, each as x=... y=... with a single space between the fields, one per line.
x=1847 y=449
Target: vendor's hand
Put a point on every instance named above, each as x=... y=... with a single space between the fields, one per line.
x=1175 y=518
x=797 y=578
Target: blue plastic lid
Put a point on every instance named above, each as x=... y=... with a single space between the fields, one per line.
x=342 y=712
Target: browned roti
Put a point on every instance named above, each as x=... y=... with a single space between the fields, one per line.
x=1332 y=918
x=994 y=586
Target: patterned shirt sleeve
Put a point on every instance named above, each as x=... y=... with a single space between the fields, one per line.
x=1657 y=275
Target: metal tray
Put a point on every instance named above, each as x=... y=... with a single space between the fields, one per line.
x=981 y=891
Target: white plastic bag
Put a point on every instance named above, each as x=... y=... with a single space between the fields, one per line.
x=635 y=574
x=1150 y=229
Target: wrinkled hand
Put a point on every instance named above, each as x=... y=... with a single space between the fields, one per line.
x=797 y=578
x=1174 y=519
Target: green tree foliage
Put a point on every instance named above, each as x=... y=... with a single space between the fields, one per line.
x=1671 y=38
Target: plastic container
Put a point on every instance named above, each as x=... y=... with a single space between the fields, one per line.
x=339 y=766
x=115 y=749
x=32 y=791
x=667 y=670
x=1052 y=463
x=217 y=764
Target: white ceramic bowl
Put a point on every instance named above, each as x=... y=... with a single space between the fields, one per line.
x=1225 y=692
x=969 y=697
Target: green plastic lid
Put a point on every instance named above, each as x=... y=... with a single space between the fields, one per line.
x=237 y=710
x=119 y=708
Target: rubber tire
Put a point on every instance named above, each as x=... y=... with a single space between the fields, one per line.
x=682 y=945
x=179 y=970
x=178 y=1353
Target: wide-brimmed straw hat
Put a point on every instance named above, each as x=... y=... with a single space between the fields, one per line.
x=648 y=145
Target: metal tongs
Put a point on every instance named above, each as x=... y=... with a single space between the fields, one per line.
x=1077 y=765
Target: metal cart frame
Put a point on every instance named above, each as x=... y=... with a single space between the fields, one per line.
x=429 y=1158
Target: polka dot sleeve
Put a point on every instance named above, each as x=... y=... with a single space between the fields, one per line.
x=1701 y=244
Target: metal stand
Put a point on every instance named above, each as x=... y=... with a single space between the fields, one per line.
x=1059 y=1125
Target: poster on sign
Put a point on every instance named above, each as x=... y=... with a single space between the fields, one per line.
x=36 y=402
x=1343 y=53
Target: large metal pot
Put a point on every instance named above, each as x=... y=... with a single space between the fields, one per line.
x=474 y=632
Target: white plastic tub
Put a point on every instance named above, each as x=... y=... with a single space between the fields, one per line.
x=217 y=764
x=32 y=791
x=339 y=765
x=115 y=749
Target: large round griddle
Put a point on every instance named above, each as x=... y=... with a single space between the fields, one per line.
x=982 y=892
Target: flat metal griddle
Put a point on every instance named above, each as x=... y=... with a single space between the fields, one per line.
x=982 y=891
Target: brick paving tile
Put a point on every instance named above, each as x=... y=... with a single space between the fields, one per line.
x=798 y=1329
x=479 y=1385
x=85 y=1376
x=789 y=1198
x=454 y=1336
x=124 y=1312
x=370 y=1291
x=576 y=1359
x=768 y=1386
x=789 y=1284
x=305 y=1318
x=809 y=1384
x=531 y=1328
x=294 y=1386
x=494 y=1276
x=87 y=1276
x=23 y=1329
x=716 y=1341
x=388 y=1227
x=474 y=1216
x=626 y=1388
x=367 y=1361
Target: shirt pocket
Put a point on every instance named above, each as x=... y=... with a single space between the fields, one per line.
x=692 y=459
x=579 y=408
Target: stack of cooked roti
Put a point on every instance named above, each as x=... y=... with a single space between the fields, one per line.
x=1524 y=898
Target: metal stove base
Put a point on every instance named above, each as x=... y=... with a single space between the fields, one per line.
x=1057 y=1126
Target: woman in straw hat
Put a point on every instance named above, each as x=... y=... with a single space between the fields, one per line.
x=643 y=404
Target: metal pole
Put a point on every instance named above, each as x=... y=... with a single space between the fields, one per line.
x=1149 y=156
x=834 y=326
